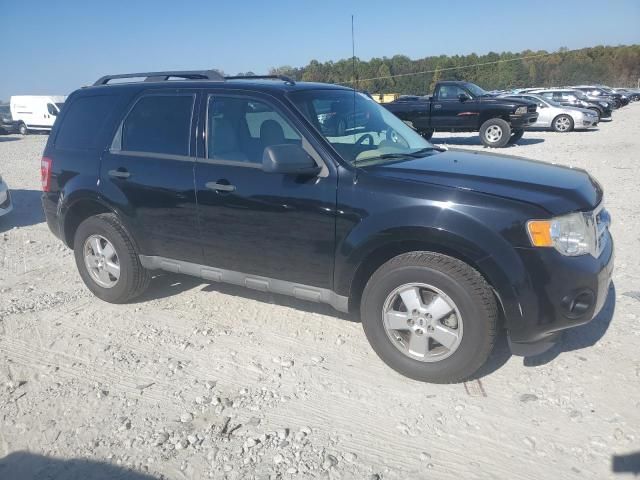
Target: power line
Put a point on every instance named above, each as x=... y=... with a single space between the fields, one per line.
x=540 y=55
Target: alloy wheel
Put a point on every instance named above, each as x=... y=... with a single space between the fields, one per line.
x=102 y=261
x=422 y=322
x=493 y=134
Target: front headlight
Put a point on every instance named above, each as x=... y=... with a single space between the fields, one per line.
x=572 y=235
x=521 y=110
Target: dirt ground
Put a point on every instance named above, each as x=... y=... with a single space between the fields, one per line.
x=199 y=380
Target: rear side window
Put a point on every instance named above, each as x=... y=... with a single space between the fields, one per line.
x=159 y=124
x=81 y=124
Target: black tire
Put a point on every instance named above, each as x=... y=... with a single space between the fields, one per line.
x=22 y=129
x=426 y=134
x=463 y=285
x=562 y=124
x=516 y=135
x=134 y=278
x=489 y=126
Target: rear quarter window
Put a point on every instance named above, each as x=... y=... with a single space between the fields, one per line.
x=84 y=120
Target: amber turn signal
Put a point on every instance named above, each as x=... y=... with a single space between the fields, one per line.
x=540 y=233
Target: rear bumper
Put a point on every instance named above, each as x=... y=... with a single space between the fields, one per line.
x=50 y=207
x=563 y=292
x=525 y=120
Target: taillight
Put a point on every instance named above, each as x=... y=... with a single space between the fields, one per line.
x=45 y=173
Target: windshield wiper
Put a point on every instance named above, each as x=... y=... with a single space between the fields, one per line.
x=422 y=151
x=392 y=156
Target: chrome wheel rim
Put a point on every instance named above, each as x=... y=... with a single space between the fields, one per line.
x=493 y=133
x=422 y=322
x=563 y=124
x=102 y=261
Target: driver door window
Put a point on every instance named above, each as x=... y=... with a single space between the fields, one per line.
x=239 y=129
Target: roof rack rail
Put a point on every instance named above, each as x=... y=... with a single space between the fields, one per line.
x=284 y=78
x=164 y=76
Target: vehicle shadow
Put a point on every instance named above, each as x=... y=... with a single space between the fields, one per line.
x=626 y=463
x=167 y=284
x=580 y=337
x=29 y=466
x=576 y=338
x=475 y=141
x=8 y=139
x=27 y=210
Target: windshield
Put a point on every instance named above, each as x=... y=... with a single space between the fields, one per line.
x=59 y=105
x=4 y=109
x=475 y=90
x=358 y=128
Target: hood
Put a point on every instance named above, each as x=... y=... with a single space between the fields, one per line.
x=555 y=188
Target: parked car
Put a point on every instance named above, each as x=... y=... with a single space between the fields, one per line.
x=558 y=117
x=430 y=247
x=7 y=124
x=35 y=112
x=465 y=107
x=5 y=198
x=602 y=93
x=577 y=99
x=633 y=95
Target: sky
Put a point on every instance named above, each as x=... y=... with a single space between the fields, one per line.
x=54 y=47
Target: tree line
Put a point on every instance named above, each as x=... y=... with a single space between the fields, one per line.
x=613 y=66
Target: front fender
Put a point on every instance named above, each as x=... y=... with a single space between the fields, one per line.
x=477 y=228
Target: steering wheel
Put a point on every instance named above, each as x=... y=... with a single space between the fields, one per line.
x=366 y=136
x=395 y=137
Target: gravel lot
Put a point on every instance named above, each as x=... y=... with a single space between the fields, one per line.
x=201 y=380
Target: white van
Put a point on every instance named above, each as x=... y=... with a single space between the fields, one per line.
x=35 y=112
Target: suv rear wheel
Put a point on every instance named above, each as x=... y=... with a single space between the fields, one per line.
x=495 y=133
x=22 y=129
x=107 y=260
x=430 y=317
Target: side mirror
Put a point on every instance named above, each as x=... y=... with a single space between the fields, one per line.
x=288 y=159
x=463 y=97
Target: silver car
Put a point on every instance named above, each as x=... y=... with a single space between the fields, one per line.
x=5 y=198
x=559 y=117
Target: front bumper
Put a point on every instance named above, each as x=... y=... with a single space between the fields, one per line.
x=5 y=204
x=524 y=120
x=587 y=122
x=563 y=292
x=9 y=127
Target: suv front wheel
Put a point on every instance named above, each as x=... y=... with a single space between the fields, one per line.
x=430 y=317
x=107 y=260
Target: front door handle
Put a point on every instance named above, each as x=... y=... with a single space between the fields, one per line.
x=220 y=187
x=437 y=105
x=120 y=173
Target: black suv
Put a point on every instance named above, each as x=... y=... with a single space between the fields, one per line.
x=235 y=180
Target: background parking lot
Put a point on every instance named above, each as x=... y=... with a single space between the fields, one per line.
x=198 y=378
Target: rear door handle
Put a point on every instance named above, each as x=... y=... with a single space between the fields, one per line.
x=437 y=105
x=119 y=174
x=220 y=187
